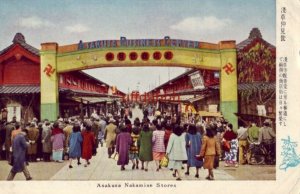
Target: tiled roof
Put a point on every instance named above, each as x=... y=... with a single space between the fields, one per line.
x=189 y=71
x=80 y=92
x=252 y=86
x=254 y=35
x=85 y=93
x=26 y=89
x=35 y=89
x=20 y=39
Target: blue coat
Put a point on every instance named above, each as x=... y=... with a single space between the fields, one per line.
x=193 y=148
x=75 y=145
x=19 y=147
x=176 y=149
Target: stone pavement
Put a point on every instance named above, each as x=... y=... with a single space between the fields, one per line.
x=38 y=170
x=103 y=168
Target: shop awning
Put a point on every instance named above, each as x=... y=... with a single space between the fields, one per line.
x=197 y=98
x=75 y=92
x=35 y=89
x=84 y=93
x=91 y=100
x=19 y=89
x=252 y=86
x=209 y=114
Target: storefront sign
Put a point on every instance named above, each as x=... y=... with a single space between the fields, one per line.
x=197 y=80
x=123 y=42
x=14 y=111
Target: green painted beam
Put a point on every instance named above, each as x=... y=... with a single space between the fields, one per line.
x=228 y=108
x=49 y=111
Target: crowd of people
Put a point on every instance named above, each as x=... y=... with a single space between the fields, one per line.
x=199 y=145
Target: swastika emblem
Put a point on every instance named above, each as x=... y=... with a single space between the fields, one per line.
x=228 y=68
x=49 y=70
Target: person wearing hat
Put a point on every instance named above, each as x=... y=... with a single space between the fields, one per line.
x=33 y=135
x=266 y=133
x=267 y=136
x=110 y=136
x=46 y=141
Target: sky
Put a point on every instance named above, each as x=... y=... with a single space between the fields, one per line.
x=68 y=21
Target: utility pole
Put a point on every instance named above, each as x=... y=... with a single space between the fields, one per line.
x=159 y=80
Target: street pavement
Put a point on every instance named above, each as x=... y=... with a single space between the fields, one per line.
x=104 y=168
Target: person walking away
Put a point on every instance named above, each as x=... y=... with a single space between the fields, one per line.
x=16 y=131
x=122 y=147
x=193 y=142
x=242 y=134
x=75 y=145
x=110 y=136
x=168 y=132
x=267 y=137
x=57 y=139
x=67 y=132
x=128 y=124
x=102 y=124
x=46 y=140
x=19 y=147
x=88 y=144
x=253 y=133
x=176 y=150
x=95 y=130
x=134 y=150
x=10 y=126
x=145 y=146
x=33 y=135
x=158 y=146
x=2 y=139
x=230 y=153
x=39 y=154
x=209 y=150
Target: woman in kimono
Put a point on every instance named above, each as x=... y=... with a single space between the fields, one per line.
x=75 y=145
x=231 y=153
x=122 y=147
x=145 y=146
x=87 y=144
x=193 y=143
x=176 y=150
x=57 y=140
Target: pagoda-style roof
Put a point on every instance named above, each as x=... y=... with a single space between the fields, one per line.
x=20 y=39
x=254 y=36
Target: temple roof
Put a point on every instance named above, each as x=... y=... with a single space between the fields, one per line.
x=254 y=35
x=20 y=39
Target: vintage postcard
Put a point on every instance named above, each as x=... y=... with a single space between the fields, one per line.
x=161 y=96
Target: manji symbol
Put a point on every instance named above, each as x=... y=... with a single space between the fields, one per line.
x=228 y=68
x=49 y=70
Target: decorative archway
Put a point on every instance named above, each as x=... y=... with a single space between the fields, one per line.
x=168 y=52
